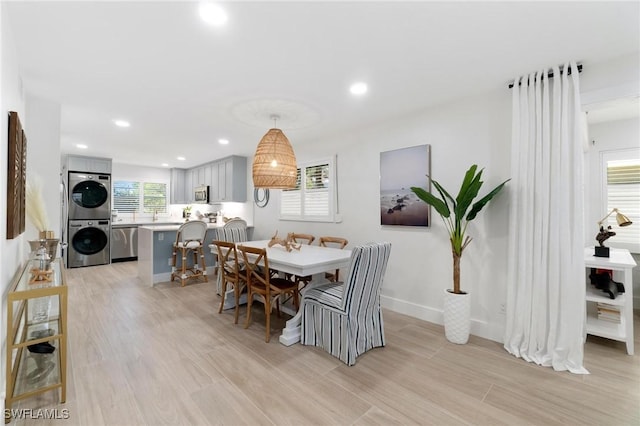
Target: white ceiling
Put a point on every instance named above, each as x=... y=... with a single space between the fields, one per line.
x=183 y=84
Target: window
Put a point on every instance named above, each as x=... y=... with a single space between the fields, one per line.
x=140 y=197
x=314 y=197
x=623 y=192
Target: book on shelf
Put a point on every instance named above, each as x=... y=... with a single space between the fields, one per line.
x=607 y=312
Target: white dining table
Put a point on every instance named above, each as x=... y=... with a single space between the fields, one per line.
x=309 y=260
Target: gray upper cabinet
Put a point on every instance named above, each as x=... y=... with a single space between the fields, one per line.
x=227 y=180
x=178 y=186
x=78 y=163
x=189 y=185
x=214 y=193
x=232 y=179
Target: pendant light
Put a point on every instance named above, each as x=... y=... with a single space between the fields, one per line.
x=274 y=164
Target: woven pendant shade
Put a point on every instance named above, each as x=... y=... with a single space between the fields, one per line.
x=274 y=164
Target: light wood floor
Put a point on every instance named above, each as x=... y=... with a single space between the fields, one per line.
x=143 y=356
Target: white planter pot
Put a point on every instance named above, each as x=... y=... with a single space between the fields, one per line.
x=457 y=317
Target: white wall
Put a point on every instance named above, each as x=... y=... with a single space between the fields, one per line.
x=11 y=99
x=475 y=130
x=43 y=151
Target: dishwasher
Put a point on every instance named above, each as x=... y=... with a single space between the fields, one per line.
x=124 y=243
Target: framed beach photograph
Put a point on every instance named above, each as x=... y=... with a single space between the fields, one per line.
x=401 y=169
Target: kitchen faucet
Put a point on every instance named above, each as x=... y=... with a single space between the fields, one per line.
x=155 y=215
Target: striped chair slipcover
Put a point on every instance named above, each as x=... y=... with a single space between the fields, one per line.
x=346 y=319
x=234 y=231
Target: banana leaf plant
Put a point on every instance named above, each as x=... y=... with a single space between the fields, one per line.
x=455 y=212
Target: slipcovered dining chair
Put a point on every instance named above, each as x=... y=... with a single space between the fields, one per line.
x=336 y=242
x=235 y=231
x=346 y=320
x=229 y=272
x=189 y=238
x=260 y=284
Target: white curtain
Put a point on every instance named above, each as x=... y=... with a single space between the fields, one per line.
x=546 y=278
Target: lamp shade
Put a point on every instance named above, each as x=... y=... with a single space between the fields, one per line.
x=622 y=219
x=274 y=164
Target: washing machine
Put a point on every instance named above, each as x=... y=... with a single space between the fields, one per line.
x=89 y=196
x=88 y=243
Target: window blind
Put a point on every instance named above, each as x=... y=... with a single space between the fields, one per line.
x=623 y=193
x=126 y=196
x=311 y=199
x=155 y=197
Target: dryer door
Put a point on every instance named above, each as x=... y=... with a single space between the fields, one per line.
x=88 y=243
x=89 y=198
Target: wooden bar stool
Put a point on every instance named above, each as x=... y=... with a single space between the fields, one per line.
x=189 y=238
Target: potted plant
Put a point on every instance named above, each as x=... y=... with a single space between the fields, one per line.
x=456 y=213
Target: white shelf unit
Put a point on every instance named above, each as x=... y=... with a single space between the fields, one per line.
x=621 y=263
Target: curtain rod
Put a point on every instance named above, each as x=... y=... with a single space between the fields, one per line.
x=550 y=74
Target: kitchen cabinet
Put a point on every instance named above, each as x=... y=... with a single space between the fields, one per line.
x=214 y=193
x=232 y=179
x=227 y=180
x=621 y=263
x=36 y=333
x=188 y=186
x=199 y=176
x=78 y=163
x=177 y=189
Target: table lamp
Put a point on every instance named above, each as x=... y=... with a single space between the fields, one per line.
x=605 y=233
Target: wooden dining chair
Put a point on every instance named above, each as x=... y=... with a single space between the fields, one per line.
x=230 y=272
x=261 y=285
x=346 y=319
x=336 y=242
x=302 y=239
x=189 y=238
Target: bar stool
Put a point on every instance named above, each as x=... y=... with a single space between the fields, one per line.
x=189 y=238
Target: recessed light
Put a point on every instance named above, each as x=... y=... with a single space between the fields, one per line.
x=223 y=141
x=181 y=158
x=165 y=164
x=212 y=14
x=81 y=146
x=121 y=123
x=358 y=88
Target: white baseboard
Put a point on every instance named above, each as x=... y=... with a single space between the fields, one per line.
x=478 y=328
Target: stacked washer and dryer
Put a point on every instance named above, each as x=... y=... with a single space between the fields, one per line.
x=89 y=215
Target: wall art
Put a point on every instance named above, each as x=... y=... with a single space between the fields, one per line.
x=16 y=177
x=401 y=169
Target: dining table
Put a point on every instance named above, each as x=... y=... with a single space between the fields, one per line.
x=307 y=260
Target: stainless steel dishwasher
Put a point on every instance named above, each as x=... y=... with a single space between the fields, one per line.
x=124 y=243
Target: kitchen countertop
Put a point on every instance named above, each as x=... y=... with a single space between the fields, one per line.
x=145 y=222
x=156 y=226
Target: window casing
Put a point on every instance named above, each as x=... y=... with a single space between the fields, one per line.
x=140 y=197
x=621 y=184
x=315 y=196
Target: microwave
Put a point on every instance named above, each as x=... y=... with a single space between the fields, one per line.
x=201 y=194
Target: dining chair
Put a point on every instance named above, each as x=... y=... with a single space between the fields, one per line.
x=346 y=320
x=230 y=272
x=260 y=284
x=235 y=231
x=189 y=238
x=336 y=242
x=302 y=239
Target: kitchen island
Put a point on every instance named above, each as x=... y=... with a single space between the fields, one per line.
x=155 y=248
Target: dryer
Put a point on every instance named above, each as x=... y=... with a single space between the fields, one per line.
x=89 y=196
x=88 y=243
